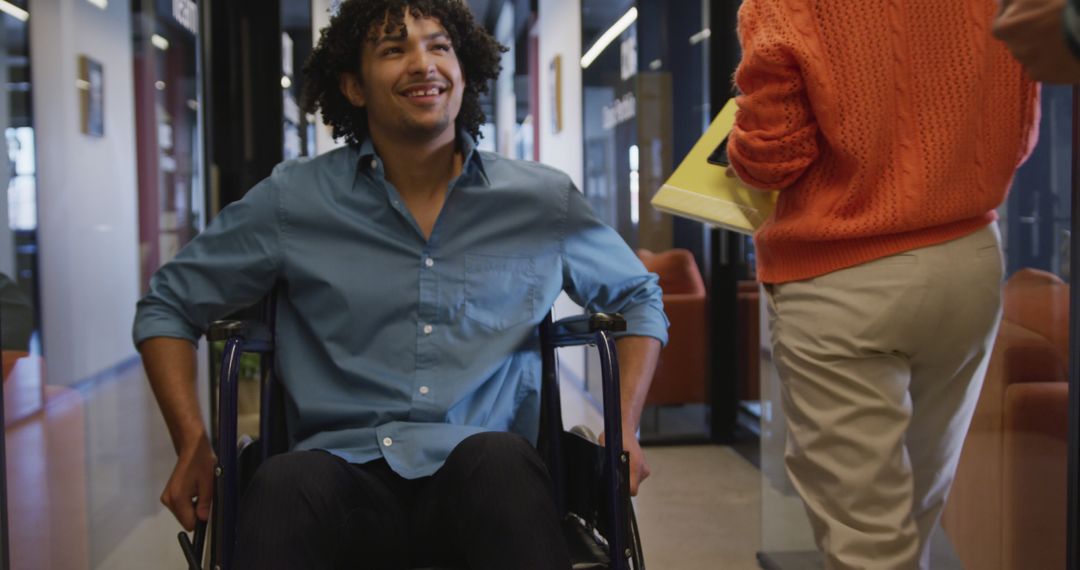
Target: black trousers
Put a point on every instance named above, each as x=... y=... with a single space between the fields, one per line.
x=489 y=507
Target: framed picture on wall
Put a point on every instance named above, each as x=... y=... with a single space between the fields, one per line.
x=91 y=85
x=555 y=83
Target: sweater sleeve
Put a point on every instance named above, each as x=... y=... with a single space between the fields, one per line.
x=774 y=139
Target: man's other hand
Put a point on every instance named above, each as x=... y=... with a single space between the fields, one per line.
x=192 y=478
x=639 y=469
x=1034 y=32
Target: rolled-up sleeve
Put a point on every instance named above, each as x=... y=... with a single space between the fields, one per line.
x=602 y=274
x=229 y=266
x=774 y=139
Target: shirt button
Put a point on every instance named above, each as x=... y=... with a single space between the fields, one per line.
x=374 y=164
x=428 y=329
x=429 y=262
x=424 y=390
x=387 y=441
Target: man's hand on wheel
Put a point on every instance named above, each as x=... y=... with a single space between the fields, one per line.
x=639 y=469
x=191 y=485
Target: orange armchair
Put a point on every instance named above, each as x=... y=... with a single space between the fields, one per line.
x=681 y=372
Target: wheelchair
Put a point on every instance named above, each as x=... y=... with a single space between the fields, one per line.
x=591 y=482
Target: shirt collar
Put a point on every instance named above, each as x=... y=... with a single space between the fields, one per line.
x=368 y=160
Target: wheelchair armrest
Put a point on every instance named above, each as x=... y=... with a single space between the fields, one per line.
x=256 y=336
x=237 y=337
x=582 y=329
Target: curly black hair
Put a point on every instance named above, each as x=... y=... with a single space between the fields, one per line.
x=356 y=23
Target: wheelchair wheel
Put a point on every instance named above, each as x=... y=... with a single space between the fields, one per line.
x=638 y=556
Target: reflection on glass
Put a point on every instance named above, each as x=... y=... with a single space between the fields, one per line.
x=18 y=239
x=85 y=456
x=169 y=155
x=1013 y=468
x=17 y=323
x=641 y=82
x=29 y=500
x=609 y=62
x=298 y=130
x=635 y=188
x=22 y=190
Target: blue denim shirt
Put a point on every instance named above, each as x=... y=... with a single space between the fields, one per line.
x=390 y=345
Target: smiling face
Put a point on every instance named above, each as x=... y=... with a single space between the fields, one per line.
x=411 y=84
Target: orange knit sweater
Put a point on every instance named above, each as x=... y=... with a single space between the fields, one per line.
x=887 y=125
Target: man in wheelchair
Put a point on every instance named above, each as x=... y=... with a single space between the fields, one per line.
x=413 y=271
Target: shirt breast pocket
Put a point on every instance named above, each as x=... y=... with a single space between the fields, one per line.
x=500 y=290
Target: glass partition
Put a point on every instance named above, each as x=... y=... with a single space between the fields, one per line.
x=24 y=393
x=645 y=103
x=19 y=317
x=104 y=180
x=1008 y=505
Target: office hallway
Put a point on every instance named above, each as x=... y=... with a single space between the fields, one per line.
x=699 y=510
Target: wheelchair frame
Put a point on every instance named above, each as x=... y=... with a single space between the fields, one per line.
x=602 y=511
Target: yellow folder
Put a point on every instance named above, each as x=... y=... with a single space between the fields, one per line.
x=702 y=191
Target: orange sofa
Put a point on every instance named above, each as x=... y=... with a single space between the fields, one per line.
x=24 y=392
x=1007 y=508
x=748 y=339
x=681 y=372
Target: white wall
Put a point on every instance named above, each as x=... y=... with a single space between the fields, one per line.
x=87 y=198
x=559 y=29
x=559 y=25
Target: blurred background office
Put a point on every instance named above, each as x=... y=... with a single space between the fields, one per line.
x=128 y=124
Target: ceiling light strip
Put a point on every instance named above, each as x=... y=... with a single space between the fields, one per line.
x=14 y=11
x=609 y=36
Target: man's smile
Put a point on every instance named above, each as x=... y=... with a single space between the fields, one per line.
x=425 y=93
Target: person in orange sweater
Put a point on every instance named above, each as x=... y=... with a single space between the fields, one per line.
x=892 y=131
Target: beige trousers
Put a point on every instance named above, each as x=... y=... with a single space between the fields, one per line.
x=881 y=366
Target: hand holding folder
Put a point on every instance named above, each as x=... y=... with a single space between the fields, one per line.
x=702 y=190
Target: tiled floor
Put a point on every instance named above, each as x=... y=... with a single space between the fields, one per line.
x=129 y=458
x=84 y=477
x=681 y=530
x=700 y=509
